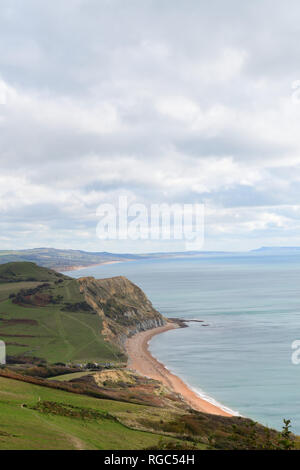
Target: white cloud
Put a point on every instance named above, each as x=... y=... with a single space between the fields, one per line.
x=226 y=66
x=55 y=112
x=178 y=107
x=166 y=104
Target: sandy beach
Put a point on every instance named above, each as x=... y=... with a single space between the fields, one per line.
x=78 y=268
x=143 y=362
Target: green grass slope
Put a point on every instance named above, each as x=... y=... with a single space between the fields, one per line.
x=44 y=315
x=24 y=271
x=38 y=418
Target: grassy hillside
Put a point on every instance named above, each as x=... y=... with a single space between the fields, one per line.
x=34 y=417
x=25 y=271
x=42 y=416
x=51 y=316
x=44 y=314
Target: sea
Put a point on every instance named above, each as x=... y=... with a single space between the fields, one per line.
x=239 y=355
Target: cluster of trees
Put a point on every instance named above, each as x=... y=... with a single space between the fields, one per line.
x=27 y=296
x=78 y=307
x=24 y=295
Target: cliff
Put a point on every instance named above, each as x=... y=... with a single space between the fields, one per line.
x=122 y=306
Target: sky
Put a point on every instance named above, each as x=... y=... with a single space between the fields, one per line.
x=161 y=101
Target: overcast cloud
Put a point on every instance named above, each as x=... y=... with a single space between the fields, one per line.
x=161 y=100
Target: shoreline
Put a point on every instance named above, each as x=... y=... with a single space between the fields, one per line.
x=77 y=268
x=141 y=360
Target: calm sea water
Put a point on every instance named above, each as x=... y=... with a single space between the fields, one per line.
x=242 y=359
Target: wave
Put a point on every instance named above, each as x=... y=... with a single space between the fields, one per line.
x=211 y=400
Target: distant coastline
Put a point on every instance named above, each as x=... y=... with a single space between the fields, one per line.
x=63 y=260
x=77 y=268
x=142 y=361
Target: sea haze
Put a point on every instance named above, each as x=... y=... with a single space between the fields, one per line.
x=251 y=305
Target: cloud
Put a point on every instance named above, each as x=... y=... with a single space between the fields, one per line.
x=165 y=103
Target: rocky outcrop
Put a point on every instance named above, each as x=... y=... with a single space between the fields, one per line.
x=122 y=306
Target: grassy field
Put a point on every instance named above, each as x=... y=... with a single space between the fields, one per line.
x=22 y=427
x=49 y=331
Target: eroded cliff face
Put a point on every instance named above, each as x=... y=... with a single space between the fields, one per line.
x=122 y=306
